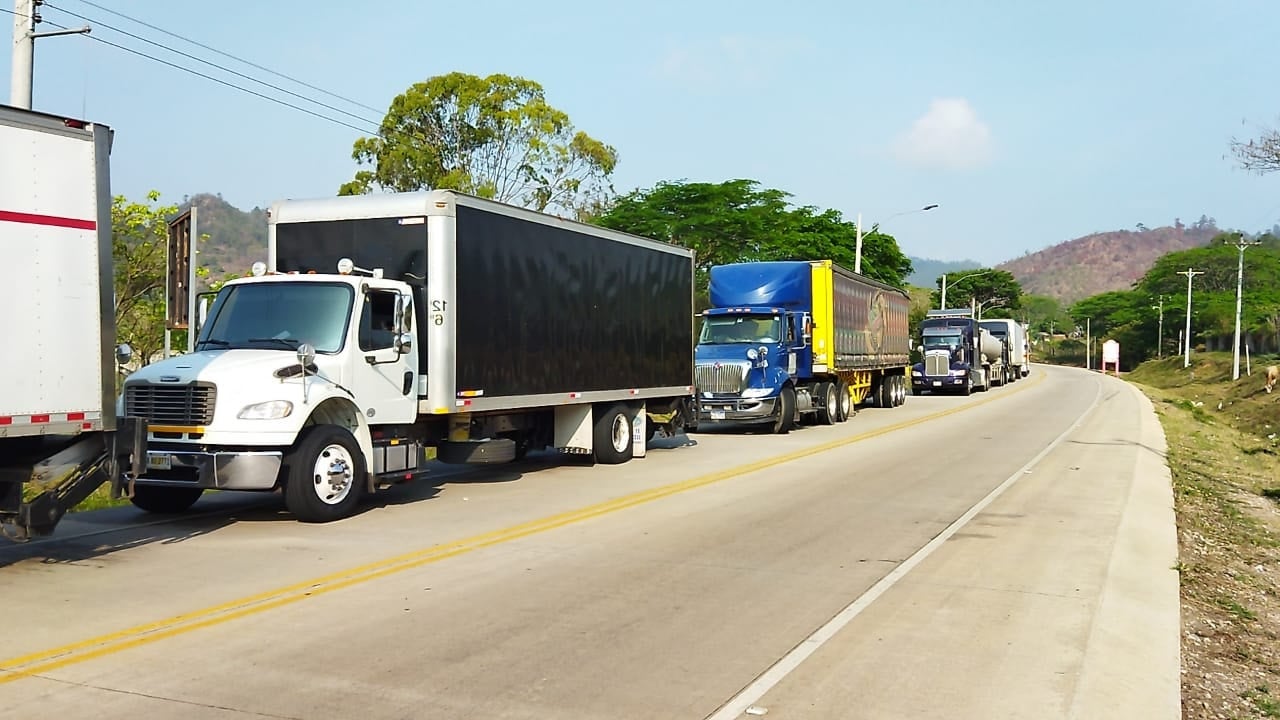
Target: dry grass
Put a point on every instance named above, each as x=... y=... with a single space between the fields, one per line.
x=1225 y=459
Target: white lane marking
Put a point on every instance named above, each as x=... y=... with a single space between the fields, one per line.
x=770 y=678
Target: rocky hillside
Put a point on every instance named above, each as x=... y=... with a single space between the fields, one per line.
x=1096 y=263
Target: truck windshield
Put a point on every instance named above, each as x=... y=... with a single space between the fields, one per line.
x=728 y=329
x=279 y=315
x=948 y=341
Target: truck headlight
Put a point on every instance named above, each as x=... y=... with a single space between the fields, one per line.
x=270 y=410
x=916 y=373
x=959 y=373
x=757 y=392
x=752 y=354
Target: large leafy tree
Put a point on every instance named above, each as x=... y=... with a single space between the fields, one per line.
x=492 y=136
x=138 y=241
x=739 y=221
x=994 y=293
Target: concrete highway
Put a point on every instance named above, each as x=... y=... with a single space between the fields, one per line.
x=1007 y=554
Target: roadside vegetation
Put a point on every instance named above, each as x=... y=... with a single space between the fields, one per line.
x=1224 y=452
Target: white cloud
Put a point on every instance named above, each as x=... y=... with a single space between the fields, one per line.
x=950 y=136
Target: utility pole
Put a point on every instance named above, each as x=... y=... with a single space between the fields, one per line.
x=26 y=15
x=1240 y=244
x=1160 y=331
x=857 y=256
x=943 y=305
x=1088 y=343
x=1186 y=361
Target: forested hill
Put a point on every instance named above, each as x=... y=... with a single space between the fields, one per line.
x=1103 y=261
x=237 y=238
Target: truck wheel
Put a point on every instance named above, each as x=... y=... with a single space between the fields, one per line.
x=968 y=386
x=827 y=402
x=164 y=500
x=325 y=474
x=884 y=397
x=612 y=435
x=900 y=387
x=786 y=417
x=845 y=405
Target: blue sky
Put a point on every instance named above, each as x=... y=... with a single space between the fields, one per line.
x=1027 y=123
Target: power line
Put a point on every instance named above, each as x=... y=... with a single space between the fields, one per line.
x=211 y=64
x=229 y=55
x=220 y=81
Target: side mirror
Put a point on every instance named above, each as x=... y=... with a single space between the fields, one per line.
x=124 y=353
x=404 y=342
x=306 y=356
x=403 y=319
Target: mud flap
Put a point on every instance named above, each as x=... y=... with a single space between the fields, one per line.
x=639 y=431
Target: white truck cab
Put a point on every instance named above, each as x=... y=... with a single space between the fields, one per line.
x=288 y=373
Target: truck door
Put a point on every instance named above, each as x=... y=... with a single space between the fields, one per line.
x=385 y=379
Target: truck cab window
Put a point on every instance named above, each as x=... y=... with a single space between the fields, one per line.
x=377 y=321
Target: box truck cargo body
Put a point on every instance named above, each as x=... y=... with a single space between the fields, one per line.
x=59 y=432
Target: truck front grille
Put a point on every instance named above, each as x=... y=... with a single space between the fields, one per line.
x=720 y=378
x=935 y=365
x=171 y=404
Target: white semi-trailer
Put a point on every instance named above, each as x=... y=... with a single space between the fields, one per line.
x=60 y=435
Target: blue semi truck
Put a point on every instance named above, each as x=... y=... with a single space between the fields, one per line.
x=959 y=355
x=790 y=341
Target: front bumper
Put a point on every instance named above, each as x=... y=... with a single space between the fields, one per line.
x=216 y=469
x=945 y=382
x=735 y=409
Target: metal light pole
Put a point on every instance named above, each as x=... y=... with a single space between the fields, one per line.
x=857 y=257
x=1088 y=343
x=1240 y=244
x=1186 y=361
x=943 y=300
x=25 y=17
x=1160 y=332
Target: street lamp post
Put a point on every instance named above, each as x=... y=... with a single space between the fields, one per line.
x=943 y=300
x=1160 y=331
x=1186 y=362
x=1240 y=244
x=857 y=257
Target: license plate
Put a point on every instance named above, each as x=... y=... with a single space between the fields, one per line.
x=159 y=462
x=937 y=383
x=717 y=414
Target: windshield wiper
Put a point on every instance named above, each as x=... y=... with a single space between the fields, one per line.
x=287 y=342
x=213 y=341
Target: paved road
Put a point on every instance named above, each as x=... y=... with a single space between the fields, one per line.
x=957 y=557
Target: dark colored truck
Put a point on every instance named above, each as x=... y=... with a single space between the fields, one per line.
x=791 y=340
x=959 y=355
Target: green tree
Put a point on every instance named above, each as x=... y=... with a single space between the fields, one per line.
x=139 y=236
x=994 y=293
x=738 y=221
x=492 y=136
x=1044 y=314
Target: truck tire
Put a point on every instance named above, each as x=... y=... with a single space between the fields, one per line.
x=828 y=403
x=786 y=417
x=845 y=404
x=900 y=385
x=326 y=472
x=968 y=385
x=884 y=396
x=611 y=437
x=164 y=500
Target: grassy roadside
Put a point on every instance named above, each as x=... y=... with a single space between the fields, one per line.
x=1224 y=452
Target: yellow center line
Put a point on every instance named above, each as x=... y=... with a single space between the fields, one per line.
x=52 y=659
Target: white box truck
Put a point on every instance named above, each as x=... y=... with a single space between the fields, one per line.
x=1014 y=335
x=382 y=325
x=59 y=430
